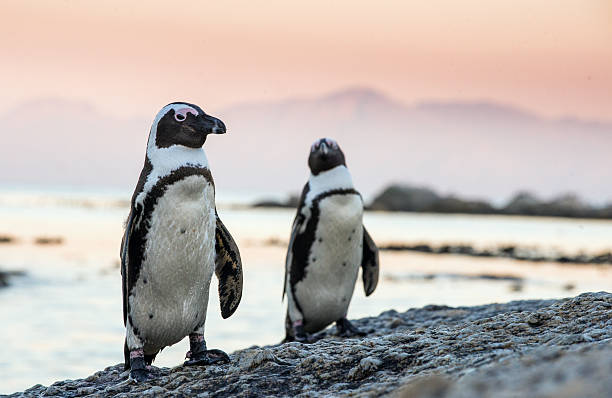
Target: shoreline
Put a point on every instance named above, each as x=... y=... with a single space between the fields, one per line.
x=507 y=251
x=456 y=351
x=271 y=204
x=514 y=252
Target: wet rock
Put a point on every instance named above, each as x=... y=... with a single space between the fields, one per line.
x=5 y=277
x=7 y=239
x=49 y=240
x=523 y=348
x=517 y=253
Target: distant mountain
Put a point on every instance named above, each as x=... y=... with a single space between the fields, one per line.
x=480 y=149
x=59 y=142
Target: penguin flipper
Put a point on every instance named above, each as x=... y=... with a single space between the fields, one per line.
x=228 y=268
x=131 y=256
x=369 y=264
x=298 y=223
x=125 y=271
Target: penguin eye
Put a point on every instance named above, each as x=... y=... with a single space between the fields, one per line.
x=179 y=117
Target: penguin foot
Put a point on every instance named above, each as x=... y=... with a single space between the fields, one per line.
x=304 y=338
x=207 y=357
x=140 y=375
x=346 y=329
x=139 y=371
x=300 y=335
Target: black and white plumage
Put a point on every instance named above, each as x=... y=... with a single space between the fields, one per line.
x=328 y=245
x=173 y=243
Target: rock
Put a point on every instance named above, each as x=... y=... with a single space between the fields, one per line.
x=404 y=198
x=523 y=203
x=399 y=197
x=366 y=367
x=7 y=239
x=291 y=202
x=5 y=276
x=49 y=240
x=568 y=205
x=528 y=348
x=452 y=204
x=515 y=252
x=583 y=372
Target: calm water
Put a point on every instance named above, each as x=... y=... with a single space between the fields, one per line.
x=64 y=318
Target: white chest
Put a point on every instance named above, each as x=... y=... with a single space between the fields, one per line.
x=334 y=261
x=171 y=295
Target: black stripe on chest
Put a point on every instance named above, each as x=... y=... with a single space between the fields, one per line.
x=143 y=212
x=302 y=244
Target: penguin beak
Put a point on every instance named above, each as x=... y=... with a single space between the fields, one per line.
x=324 y=148
x=211 y=125
x=219 y=127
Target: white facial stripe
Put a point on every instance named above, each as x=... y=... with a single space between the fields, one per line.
x=166 y=160
x=336 y=178
x=331 y=142
x=183 y=109
x=181 y=113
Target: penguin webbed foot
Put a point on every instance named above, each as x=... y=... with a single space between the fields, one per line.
x=199 y=355
x=206 y=357
x=140 y=375
x=300 y=335
x=346 y=329
x=305 y=338
x=139 y=371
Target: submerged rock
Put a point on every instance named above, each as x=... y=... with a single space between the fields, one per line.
x=5 y=276
x=49 y=240
x=517 y=253
x=7 y=239
x=522 y=348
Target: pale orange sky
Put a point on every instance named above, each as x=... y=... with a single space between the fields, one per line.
x=130 y=58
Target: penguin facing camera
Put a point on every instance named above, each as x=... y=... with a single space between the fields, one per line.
x=327 y=247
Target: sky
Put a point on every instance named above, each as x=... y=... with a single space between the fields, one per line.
x=102 y=70
x=553 y=57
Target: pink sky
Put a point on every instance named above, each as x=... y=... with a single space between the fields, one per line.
x=129 y=58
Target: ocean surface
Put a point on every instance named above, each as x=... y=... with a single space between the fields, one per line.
x=63 y=318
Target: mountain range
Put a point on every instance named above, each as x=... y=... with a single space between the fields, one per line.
x=476 y=149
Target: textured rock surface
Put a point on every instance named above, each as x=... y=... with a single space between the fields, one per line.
x=523 y=348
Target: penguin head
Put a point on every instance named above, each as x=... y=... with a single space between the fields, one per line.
x=181 y=123
x=325 y=154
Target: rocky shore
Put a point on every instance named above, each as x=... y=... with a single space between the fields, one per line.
x=514 y=252
x=401 y=197
x=538 y=348
x=422 y=199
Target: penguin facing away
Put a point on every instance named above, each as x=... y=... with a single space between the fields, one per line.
x=328 y=245
x=174 y=241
